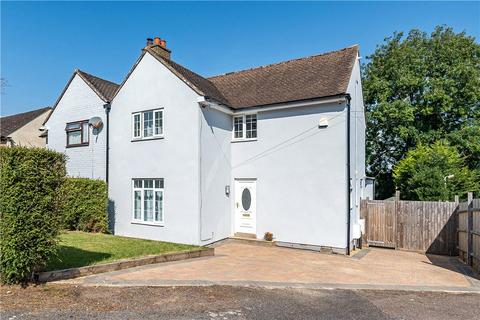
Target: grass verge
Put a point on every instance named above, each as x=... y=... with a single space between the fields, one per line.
x=80 y=249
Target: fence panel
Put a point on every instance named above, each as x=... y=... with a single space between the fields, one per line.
x=411 y=225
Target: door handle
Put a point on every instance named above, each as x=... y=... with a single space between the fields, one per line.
x=237 y=204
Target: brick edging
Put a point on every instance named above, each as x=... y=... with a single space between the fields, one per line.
x=121 y=264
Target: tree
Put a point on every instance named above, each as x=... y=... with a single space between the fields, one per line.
x=420 y=89
x=436 y=172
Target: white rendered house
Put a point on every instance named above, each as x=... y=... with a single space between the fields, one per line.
x=279 y=148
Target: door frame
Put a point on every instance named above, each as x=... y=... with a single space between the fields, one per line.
x=234 y=211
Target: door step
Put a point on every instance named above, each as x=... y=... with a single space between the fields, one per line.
x=256 y=242
x=245 y=235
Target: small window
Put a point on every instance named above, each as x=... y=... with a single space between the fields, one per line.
x=77 y=133
x=245 y=127
x=148 y=198
x=148 y=124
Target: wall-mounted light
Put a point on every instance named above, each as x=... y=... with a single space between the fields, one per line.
x=227 y=190
x=323 y=122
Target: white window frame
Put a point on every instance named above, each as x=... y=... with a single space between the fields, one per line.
x=141 y=114
x=244 y=127
x=142 y=203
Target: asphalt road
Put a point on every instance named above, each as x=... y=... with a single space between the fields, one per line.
x=223 y=303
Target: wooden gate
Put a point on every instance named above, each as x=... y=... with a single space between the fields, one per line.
x=380 y=223
x=424 y=226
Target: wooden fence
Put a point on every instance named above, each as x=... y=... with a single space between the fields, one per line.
x=469 y=232
x=422 y=226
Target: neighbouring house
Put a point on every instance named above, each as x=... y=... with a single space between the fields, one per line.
x=192 y=159
x=24 y=129
x=70 y=131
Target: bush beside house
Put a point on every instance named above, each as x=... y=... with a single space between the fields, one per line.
x=30 y=214
x=84 y=205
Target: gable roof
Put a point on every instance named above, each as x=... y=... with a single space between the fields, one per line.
x=312 y=77
x=12 y=123
x=306 y=78
x=103 y=88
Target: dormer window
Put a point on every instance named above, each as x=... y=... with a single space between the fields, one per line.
x=77 y=133
x=245 y=127
x=147 y=124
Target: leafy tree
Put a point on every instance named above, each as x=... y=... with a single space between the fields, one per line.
x=436 y=172
x=420 y=89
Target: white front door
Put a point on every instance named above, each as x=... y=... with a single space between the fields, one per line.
x=245 y=206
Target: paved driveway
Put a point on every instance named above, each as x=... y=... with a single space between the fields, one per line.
x=244 y=264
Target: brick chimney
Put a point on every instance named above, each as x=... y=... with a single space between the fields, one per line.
x=159 y=46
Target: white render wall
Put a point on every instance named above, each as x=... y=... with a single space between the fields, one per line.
x=79 y=102
x=357 y=147
x=301 y=174
x=174 y=158
x=215 y=175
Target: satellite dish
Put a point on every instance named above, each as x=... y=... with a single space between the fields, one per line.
x=96 y=122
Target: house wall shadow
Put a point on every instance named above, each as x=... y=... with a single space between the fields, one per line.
x=111 y=216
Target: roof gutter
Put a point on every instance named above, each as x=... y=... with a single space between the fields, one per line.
x=206 y=101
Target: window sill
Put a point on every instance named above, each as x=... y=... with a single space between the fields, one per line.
x=153 y=224
x=148 y=139
x=77 y=145
x=243 y=140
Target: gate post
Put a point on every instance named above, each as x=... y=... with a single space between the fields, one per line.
x=395 y=227
x=469 y=229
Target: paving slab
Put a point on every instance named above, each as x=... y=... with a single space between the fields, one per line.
x=244 y=264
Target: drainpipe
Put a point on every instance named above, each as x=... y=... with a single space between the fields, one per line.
x=107 y=108
x=348 y=99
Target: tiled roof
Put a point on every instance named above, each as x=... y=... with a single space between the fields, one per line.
x=300 y=79
x=12 y=123
x=306 y=78
x=106 y=89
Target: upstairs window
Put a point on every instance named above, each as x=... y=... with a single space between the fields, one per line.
x=77 y=133
x=147 y=124
x=245 y=127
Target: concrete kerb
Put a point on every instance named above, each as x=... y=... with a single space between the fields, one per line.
x=278 y=285
x=122 y=264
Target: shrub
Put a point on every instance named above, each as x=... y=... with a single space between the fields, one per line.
x=434 y=172
x=29 y=210
x=84 y=205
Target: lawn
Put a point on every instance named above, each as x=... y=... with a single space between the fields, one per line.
x=78 y=249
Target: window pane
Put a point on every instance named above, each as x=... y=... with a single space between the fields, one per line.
x=251 y=126
x=136 y=125
x=238 y=127
x=73 y=126
x=158 y=205
x=137 y=205
x=85 y=132
x=158 y=122
x=148 y=183
x=148 y=205
x=137 y=183
x=159 y=183
x=148 y=124
x=74 y=137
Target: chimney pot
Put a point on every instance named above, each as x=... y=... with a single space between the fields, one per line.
x=157 y=40
x=149 y=41
x=163 y=43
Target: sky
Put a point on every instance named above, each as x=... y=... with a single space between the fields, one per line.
x=42 y=43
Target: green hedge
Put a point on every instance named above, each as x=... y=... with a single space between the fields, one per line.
x=84 y=205
x=29 y=210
